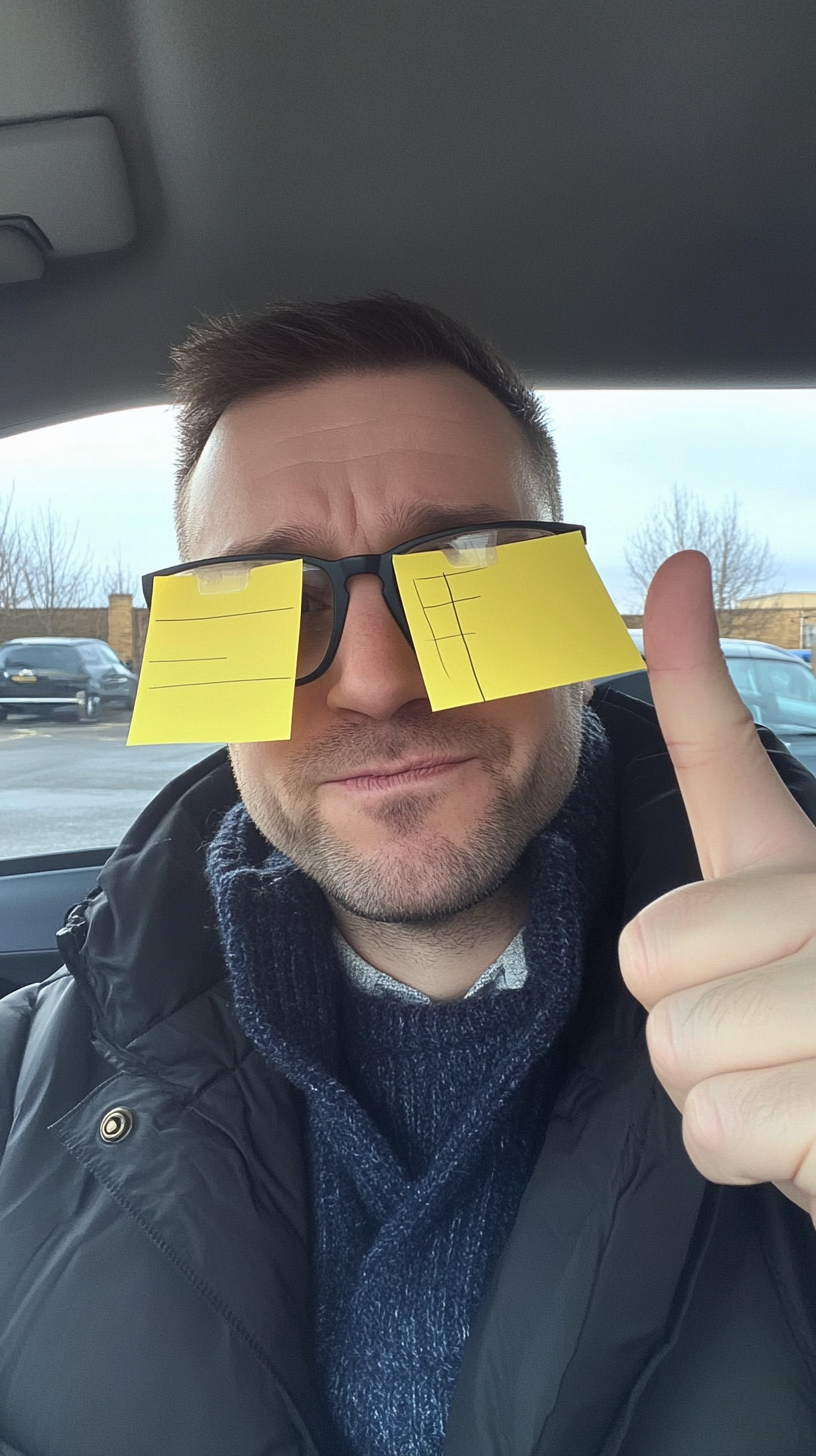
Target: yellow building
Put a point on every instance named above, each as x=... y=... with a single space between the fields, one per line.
x=790 y=601
x=786 y=619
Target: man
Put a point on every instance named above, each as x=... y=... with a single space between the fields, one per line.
x=341 y=1134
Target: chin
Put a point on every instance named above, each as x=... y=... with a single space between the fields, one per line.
x=400 y=888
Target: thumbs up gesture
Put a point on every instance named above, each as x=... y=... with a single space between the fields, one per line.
x=727 y=968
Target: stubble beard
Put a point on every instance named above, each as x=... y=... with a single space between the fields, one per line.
x=418 y=879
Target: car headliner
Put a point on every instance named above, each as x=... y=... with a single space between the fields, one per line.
x=619 y=192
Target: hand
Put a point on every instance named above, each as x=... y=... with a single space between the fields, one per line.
x=727 y=967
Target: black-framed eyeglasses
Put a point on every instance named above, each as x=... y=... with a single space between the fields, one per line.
x=324 y=600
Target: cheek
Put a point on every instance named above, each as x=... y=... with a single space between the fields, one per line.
x=259 y=766
x=536 y=722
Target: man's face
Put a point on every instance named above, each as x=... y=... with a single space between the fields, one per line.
x=400 y=814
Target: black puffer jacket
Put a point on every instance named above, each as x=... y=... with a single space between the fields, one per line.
x=154 y=1289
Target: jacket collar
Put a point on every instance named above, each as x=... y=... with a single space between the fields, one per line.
x=143 y=947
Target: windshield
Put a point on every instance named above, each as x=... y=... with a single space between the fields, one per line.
x=86 y=508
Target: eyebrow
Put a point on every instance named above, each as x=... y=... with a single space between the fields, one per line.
x=408 y=523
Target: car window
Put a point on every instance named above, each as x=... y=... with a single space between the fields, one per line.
x=786 y=680
x=742 y=675
x=63 y=659
x=787 y=696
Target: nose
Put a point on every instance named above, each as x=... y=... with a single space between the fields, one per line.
x=375 y=672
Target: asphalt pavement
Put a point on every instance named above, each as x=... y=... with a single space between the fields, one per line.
x=70 y=785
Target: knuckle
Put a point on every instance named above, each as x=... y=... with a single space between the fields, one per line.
x=740 y=1123
x=630 y=954
x=803 y=1173
x=640 y=959
x=657 y=942
x=667 y=1044
x=709 y=1120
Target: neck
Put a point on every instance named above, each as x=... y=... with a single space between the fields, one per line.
x=443 y=958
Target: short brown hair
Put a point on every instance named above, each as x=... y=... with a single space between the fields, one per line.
x=231 y=358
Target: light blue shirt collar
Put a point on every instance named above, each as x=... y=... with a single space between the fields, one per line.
x=508 y=973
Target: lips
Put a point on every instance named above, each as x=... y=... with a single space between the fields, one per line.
x=395 y=770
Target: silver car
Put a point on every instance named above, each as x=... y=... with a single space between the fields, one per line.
x=777 y=686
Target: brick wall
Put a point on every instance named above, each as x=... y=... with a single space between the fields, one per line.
x=60 y=622
x=140 y=616
x=120 y=623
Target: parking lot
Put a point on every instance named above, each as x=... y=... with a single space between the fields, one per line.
x=68 y=785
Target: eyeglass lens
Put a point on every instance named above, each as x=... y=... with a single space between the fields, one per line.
x=316 y=619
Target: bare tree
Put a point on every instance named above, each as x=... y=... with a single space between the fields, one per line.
x=117 y=577
x=12 y=557
x=56 y=570
x=741 y=562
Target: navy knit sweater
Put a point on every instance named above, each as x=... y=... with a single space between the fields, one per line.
x=424 y=1121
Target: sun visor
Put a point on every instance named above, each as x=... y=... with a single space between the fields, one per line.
x=63 y=192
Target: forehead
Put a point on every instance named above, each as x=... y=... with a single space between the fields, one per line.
x=356 y=462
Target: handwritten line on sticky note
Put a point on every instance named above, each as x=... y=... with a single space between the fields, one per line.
x=219 y=666
x=538 y=617
x=439 y=598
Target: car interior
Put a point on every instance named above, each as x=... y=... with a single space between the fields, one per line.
x=618 y=193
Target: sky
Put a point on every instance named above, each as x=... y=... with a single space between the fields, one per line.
x=621 y=453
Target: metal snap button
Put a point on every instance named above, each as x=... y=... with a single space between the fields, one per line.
x=116 y=1124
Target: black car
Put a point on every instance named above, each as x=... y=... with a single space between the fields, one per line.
x=777 y=687
x=42 y=674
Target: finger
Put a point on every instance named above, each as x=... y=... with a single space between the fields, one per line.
x=740 y=812
x=754 y=1019
x=756 y=1127
x=699 y=932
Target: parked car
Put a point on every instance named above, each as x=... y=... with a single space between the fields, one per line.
x=777 y=687
x=43 y=674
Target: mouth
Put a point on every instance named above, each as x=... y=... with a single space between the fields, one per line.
x=407 y=775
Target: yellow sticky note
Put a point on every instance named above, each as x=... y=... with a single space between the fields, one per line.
x=220 y=657
x=519 y=618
